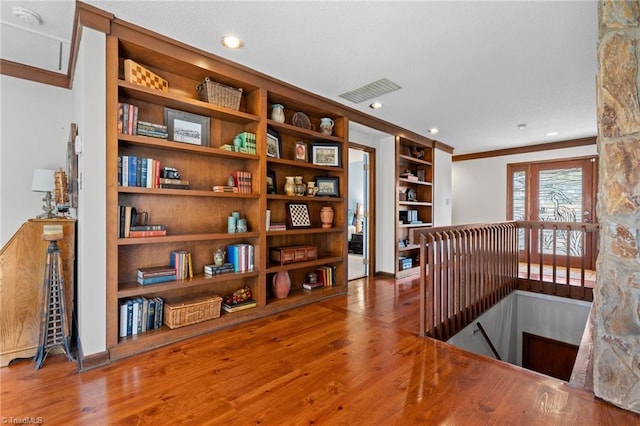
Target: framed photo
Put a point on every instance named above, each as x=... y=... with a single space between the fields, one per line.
x=300 y=153
x=186 y=127
x=328 y=186
x=325 y=154
x=273 y=144
x=298 y=216
x=271 y=182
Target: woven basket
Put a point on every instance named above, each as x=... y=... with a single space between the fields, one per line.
x=188 y=310
x=219 y=94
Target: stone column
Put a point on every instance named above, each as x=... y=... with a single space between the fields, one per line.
x=616 y=328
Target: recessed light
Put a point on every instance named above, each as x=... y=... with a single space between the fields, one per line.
x=27 y=16
x=231 y=41
x=434 y=130
x=552 y=134
x=375 y=105
x=522 y=126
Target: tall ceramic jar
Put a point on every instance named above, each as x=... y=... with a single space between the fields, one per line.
x=326 y=216
x=289 y=185
x=277 y=113
x=281 y=284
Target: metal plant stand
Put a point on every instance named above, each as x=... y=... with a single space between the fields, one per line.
x=54 y=327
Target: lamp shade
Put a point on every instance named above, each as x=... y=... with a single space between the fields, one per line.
x=43 y=180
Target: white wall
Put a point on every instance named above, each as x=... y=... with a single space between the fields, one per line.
x=89 y=100
x=385 y=205
x=556 y=318
x=479 y=187
x=442 y=189
x=35 y=120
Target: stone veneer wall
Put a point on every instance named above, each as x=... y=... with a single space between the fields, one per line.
x=616 y=328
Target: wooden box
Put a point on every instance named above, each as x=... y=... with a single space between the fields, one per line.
x=293 y=254
x=188 y=310
x=137 y=74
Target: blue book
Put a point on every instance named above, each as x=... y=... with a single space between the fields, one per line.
x=155 y=280
x=129 y=317
x=143 y=172
x=133 y=169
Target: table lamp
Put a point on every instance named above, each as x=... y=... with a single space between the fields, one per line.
x=43 y=181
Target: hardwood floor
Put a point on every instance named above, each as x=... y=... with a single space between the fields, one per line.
x=350 y=360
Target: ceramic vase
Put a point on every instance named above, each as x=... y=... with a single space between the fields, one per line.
x=281 y=284
x=289 y=186
x=300 y=189
x=326 y=125
x=326 y=216
x=277 y=113
x=312 y=189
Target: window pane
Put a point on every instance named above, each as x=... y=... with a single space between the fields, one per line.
x=519 y=196
x=560 y=200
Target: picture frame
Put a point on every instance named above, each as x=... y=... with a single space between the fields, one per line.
x=300 y=151
x=326 y=154
x=298 y=216
x=274 y=144
x=328 y=186
x=272 y=187
x=186 y=127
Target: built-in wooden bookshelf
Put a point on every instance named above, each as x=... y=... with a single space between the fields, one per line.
x=196 y=218
x=414 y=201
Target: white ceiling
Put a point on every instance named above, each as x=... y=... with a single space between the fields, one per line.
x=473 y=69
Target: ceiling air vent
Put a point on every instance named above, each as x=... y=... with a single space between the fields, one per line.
x=371 y=90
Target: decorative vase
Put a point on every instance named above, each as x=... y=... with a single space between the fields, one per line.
x=300 y=188
x=281 y=284
x=289 y=186
x=218 y=257
x=277 y=113
x=312 y=189
x=326 y=216
x=326 y=125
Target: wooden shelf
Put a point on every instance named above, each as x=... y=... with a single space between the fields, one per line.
x=415 y=225
x=414 y=203
x=188 y=237
x=408 y=272
x=414 y=160
x=195 y=216
x=417 y=182
x=133 y=289
x=410 y=247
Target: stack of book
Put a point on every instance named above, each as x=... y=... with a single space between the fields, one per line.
x=127 y=118
x=240 y=256
x=174 y=183
x=240 y=306
x=247 y=143
x=144 y=128
x=141 y=172
x=312 y=286
x=277 y=226
x=218 y=269
x=224 y=188
x=326 y=275
x=242 y=181
x=156 y=274
x=409 y=176
x=180 y=260
x=141 y=231
x=139 y=315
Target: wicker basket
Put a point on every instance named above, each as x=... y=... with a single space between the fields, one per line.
x=219 y=94
x=189 y=310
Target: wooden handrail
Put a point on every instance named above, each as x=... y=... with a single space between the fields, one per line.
x=467 y=269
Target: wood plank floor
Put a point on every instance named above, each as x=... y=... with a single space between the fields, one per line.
x=354 y=360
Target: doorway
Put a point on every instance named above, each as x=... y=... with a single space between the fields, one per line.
x=359 y=212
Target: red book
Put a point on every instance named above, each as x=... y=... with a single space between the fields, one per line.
x=153 y=233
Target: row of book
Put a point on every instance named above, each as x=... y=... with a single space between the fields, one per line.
x=240 y=256
x=181 y=261
x=243 y=142
x=140 y=172
x=242 y=181
x=128 y=123
x=326 y=275
x=128 y=224
x=140 y=314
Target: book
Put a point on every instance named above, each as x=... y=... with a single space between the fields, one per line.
x=147 y=227
x=154 y=271
x=218 y=269
x=156 y=280
x=174 y=181
x=312 y=286
x=241 y=306
x=173 y=186
x=149 y=233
